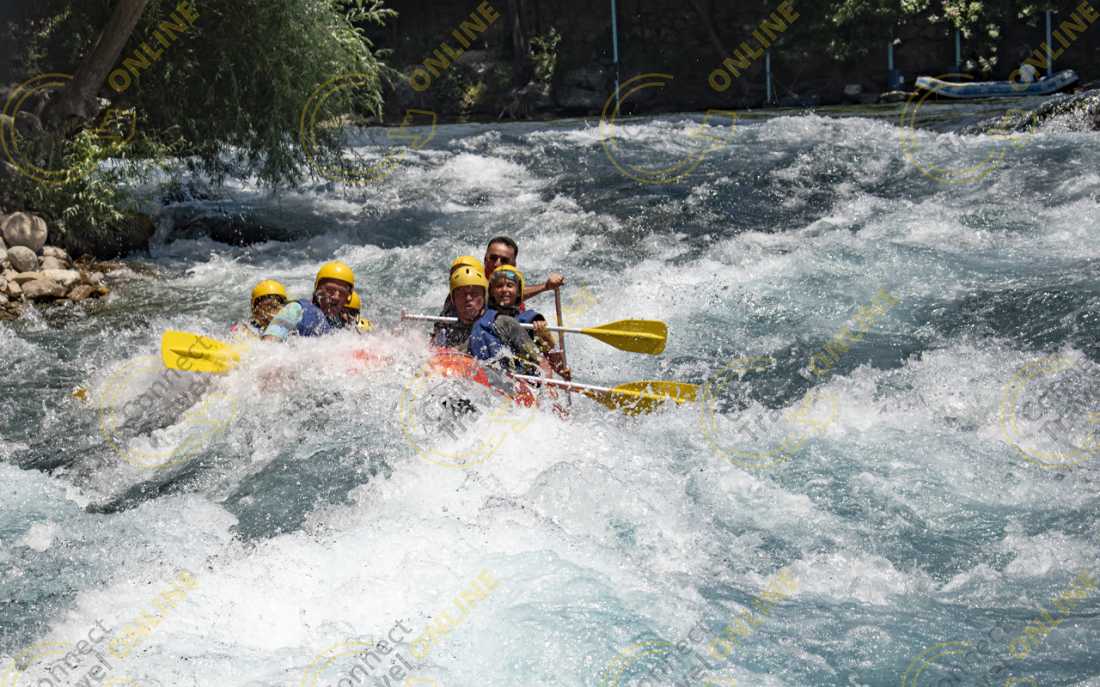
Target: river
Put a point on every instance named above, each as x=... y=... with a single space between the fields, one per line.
x=887 y=478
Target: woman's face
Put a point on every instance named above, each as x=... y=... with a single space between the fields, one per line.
x=504 y=291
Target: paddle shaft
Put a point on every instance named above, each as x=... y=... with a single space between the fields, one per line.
x=452 y=320
x=561 y=337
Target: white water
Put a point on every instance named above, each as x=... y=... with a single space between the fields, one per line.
x=309 y=521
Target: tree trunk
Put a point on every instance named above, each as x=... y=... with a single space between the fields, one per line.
x=521 y=64
x=78 y=99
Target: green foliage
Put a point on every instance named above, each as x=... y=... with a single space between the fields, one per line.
x=231 y=89
x=544 y=54
x=85 y=197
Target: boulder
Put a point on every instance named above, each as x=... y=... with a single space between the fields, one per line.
x=24 y=277
x=15 y=290
x=9 y=274
x=22 y=229
x=43 y=290
x=55 y=252
x=3 y=255
x=51 y=263
x=22 y=259
x=3 y=246
x=64 y=277
x=81 y=292
x=129 y=235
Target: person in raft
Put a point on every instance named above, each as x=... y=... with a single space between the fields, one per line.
x=324 y=314
x=268 y=298
x=354 y=310
x=448 y=304
x=469 y=289
x=502 y=250
x=498 y=334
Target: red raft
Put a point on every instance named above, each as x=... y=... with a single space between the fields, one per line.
x=452 y=364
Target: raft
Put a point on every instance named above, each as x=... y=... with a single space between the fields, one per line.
x=453 y=364
x=996 y=89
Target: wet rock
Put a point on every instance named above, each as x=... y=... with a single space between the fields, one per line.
x=43 y=290
x=64 y=277
x=584 y=89
x=130 y=235
x=80 y=292
x=22 y=229
x=51 y=263
x=22 y=259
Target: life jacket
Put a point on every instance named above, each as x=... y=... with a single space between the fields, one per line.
x=486 y=344
x=314 y=322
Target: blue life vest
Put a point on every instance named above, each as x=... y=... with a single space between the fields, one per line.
x=314 y=322
x=485 y=343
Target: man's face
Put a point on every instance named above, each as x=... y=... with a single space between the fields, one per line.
x=504 y=291
x=498 y=254
x=331 y=296
x=469 y=302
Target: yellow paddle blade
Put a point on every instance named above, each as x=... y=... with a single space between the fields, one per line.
x=637 y=398
x=636 y=336
x=197 y=353
x=680 y=392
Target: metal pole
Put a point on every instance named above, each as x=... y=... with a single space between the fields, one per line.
x=1050 y=49
x=615 y=50
x=958 y=50
x=768 y=73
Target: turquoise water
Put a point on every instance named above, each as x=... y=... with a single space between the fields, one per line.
x=888 y=479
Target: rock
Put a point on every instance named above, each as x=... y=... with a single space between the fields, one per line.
x=51 y=263
x=3 y=246
x=9 y=274
x=24 y=277
x=853 y=89
x=3 y=255
x=22 y=229
x=101 y=291
x=64 y=277
x=81 y=292
x=55 y=252
x=22 y=259
x=43 y=290
x=131 y=234
x=94 y=278
x=3 y=299
x=583 y=89
x=14 y=290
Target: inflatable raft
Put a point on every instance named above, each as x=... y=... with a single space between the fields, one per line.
x=996 y=89
x=449 y=363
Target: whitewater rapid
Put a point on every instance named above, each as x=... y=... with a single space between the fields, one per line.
x=888 y=478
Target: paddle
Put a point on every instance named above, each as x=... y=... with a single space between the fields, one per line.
x=561 y=337
x=197 y=353
x=633 y=398
x=636 y=336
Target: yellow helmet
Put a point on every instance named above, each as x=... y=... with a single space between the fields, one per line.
x=354 y=303
x=467 y=260
x=468 y=276
x=335 y=270
x=503 y=270
x=268 y=287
